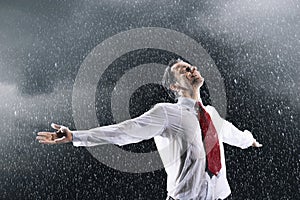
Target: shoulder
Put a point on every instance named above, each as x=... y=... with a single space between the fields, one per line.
x=164 y=105
x=210 y=108
x=212 y=111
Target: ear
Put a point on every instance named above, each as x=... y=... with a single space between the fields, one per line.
x=174 y=87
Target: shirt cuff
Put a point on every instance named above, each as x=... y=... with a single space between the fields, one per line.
x=249 y=139
x=77 y=140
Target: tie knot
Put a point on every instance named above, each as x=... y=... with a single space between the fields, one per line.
x=199 y=105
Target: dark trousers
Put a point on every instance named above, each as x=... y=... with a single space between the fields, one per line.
x=170 y=198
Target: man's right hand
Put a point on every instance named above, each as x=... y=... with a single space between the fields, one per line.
x=256 y=144
x=62 y=135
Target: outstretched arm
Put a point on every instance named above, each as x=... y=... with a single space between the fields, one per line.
x=235 y=137
x=146 y=126
x=230 y=134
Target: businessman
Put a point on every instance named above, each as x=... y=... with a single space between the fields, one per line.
x=189 y=137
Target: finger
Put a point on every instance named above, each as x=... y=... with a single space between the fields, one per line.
x=45 y=133
x=55 y=126
x=41 y=138
x=60 y=140
x=257 y=144
x=47 y=142
x=44 y=138
x=63 y=129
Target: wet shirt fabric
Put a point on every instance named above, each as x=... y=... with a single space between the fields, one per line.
x=177 y=134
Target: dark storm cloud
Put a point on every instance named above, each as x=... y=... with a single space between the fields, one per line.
x=24 y=29
x=44 y=42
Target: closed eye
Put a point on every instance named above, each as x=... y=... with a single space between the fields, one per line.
x=185 y=69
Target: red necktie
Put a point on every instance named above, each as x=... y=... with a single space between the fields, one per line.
x=211 y=141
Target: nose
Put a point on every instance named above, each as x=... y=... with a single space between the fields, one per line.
x=191 y=69
x=194 y=68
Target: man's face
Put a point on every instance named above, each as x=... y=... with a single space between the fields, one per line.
x=187 y=76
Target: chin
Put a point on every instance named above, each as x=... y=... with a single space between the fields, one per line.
x=201 y=82
x=198 y=82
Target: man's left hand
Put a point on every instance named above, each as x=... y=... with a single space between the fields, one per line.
x=256 y=144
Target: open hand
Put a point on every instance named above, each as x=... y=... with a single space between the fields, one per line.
x=62 y=135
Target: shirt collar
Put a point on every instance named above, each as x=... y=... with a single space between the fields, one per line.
x=187 y=102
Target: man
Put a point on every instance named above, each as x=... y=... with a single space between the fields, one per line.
x=176 y=130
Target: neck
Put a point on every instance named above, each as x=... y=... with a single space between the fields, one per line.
x=193 y=94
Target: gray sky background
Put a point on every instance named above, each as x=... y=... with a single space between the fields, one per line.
x=255 y=44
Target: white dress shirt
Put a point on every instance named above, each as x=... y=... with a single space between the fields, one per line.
x=177 y=134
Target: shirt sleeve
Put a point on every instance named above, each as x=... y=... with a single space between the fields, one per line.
x=229 y=133
x=146 y=126
x=235 y=137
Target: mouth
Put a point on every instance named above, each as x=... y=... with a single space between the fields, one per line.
x=196 y=79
